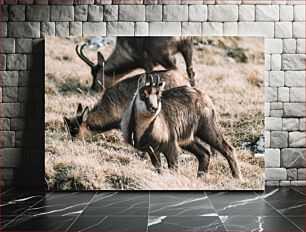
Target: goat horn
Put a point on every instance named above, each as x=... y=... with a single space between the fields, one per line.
x=157 y=80
x=79 y=51
x=151 y=80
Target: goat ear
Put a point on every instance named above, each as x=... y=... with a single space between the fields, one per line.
x=101 y=59
x=80 y=109
x=85 y=114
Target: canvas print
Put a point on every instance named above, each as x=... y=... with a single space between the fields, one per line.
x=154 y=113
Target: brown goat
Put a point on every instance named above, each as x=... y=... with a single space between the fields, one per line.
x=131 y=53
x=107 y=113
x=167 y=121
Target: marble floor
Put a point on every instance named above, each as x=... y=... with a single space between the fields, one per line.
x=275 y=210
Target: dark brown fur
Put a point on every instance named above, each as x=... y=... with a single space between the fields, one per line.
x=185 y=120
x=107 y=113
x=140 y=52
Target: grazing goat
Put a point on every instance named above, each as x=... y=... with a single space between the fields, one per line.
x=167 y=121
x=107 y=113
x=131 y=53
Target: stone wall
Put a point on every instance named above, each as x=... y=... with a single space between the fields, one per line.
x=24 y=24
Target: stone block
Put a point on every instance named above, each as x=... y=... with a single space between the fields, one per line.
x=95 y=13
x=81 y=12
x=284 y=183
x=212 y=29
x=230 y=29
x=293 y=61
x=270 y=94
x=272 y=123
x=267 y=13
x=275 y=174
x=298 y=30
x=38 y=13
x=24 y=29
x=296 y=139
x=164 y=28
x=9 y=94
x=292 y=174
x=267 y=139
x=4 y=13
x=300 y=47
x=8 y=45
x=289 y=46
x=8 y=139
x=47 y=29
x=277 y=113
x=283 y=29
x=62 y=13
x=256 y=29
x=9 y=78
x=273 y=46
x=154 y=13
x=276 y=106
x=276 y=62
x=267 y=109
x=75 y=29
x=94 y=28
x=110 y=13
x=299 y=13
x=286 y=13
x=267 y=62
x=62 y=29
x=175 y=13
x=294 y=78
x=131 y=13
x=141 y=29
x=277 y=79
x=2 y=62
x=272 y=158
x=24 y=45
x=11 y=109
x=297 y=94
x=271 y=183
x=120 y=28
x=302 y=125
x=246 y=13
x=16 y=13
x=197 y=13
x=294 y=110
x=103 y=2
x=279 y=139
x=191 y=28
x=16 y=62
x=290 y=124
x=301 y=174
x=293 y=157
x=222 y=13
x=297 y=183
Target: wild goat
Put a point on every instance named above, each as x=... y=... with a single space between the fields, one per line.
x=107 y=113
x=138 y=52
x=167 y=121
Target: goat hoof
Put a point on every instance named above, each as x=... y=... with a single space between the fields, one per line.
x=201 y=174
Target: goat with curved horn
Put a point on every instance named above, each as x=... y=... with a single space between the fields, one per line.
x=80 y=53
x=127 y=57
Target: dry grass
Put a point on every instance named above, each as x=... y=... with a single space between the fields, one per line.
x=106 y=162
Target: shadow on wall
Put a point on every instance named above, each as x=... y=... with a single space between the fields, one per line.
x=32 y=137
